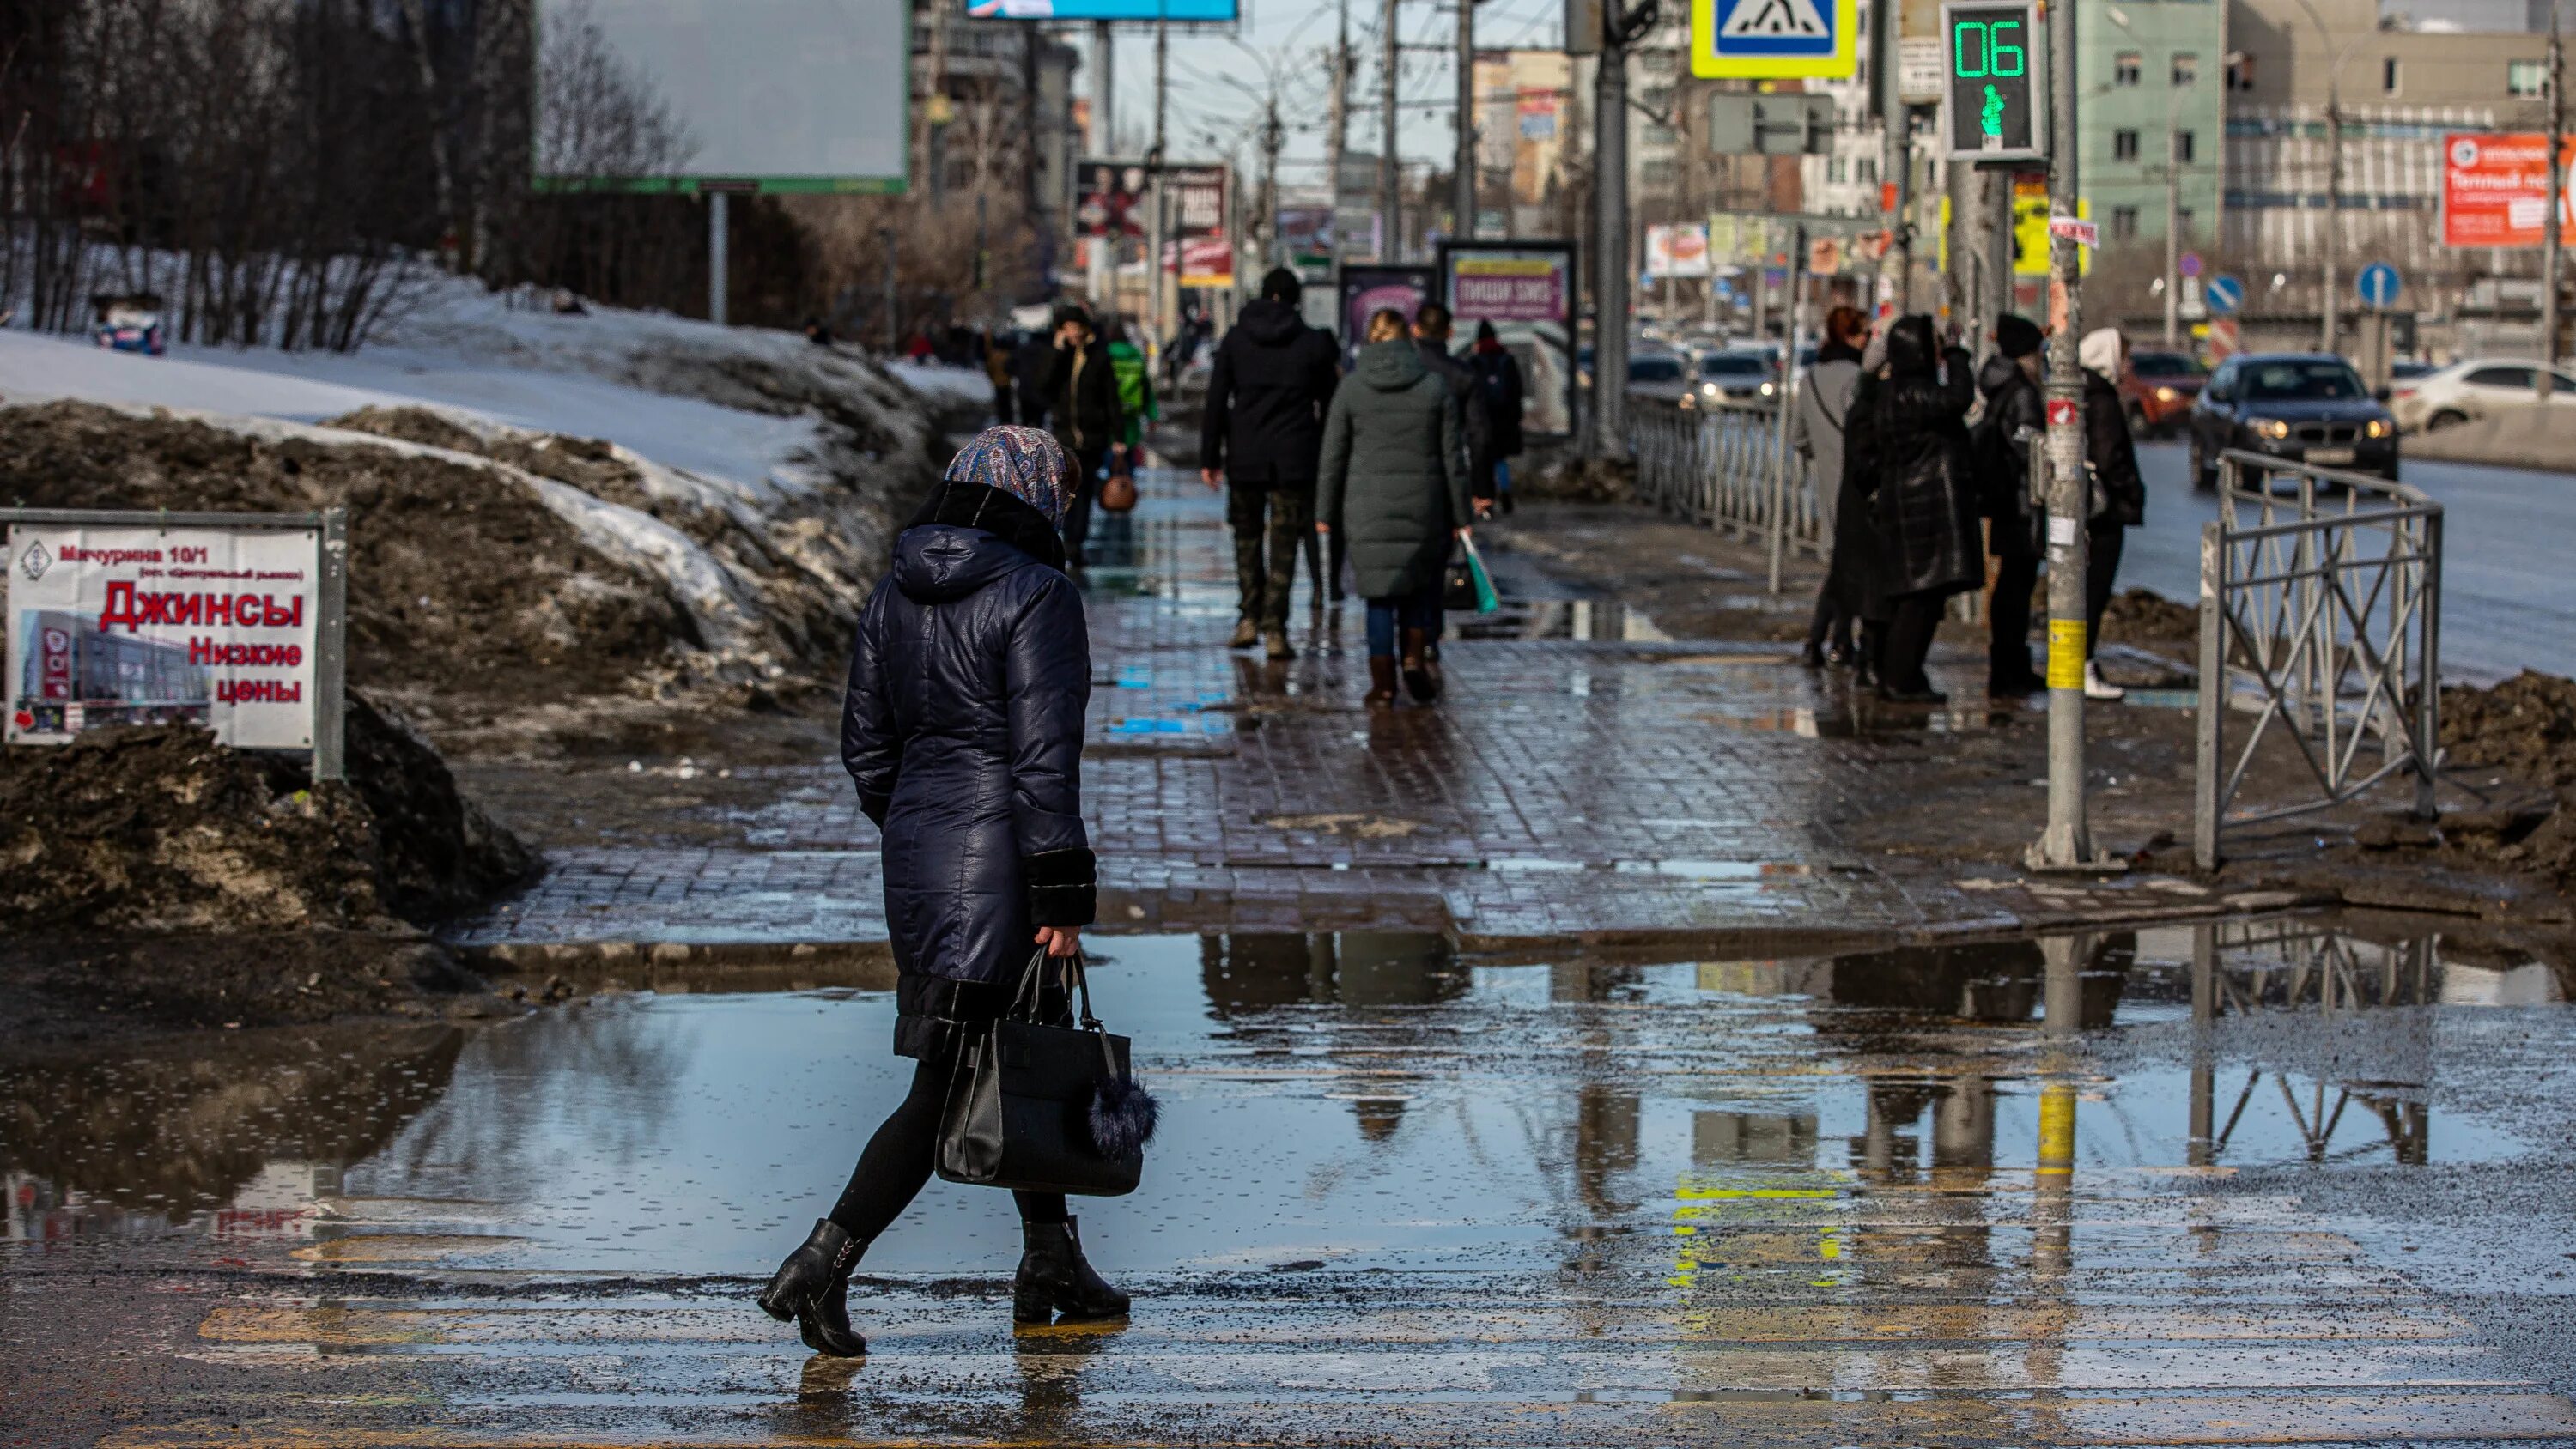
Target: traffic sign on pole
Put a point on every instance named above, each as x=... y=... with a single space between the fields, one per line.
x=1775 y=39
x=2225 y=295
x=2378 y=285
x=2189 y=266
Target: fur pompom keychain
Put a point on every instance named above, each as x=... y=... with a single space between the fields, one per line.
x=1122 y=1117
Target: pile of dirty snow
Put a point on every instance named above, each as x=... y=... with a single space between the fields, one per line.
x=162 y=830
x=2525 y=726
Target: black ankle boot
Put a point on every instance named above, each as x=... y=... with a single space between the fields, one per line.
x=1055 y=1279
x=812 y=1287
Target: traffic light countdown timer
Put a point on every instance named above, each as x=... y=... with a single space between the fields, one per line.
x=1996 y=83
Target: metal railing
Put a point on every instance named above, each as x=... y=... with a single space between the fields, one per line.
x=1720 y=465
x=2320 y=617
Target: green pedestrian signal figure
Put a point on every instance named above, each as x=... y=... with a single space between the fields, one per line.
x=1992 y=116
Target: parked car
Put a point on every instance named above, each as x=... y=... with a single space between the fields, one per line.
x=2449 y=396
x=2296 y=406
x=1734 y=376
x=2159 y=391
x=130 y=323
x=1658 y=375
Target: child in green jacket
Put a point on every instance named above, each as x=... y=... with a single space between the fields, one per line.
x=1136 y=402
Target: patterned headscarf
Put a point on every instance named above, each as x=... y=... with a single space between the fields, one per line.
x=1026 y=463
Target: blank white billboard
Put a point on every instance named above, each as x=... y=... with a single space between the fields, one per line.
x=787 y=95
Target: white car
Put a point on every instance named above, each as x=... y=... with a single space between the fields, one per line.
x=2448 y=396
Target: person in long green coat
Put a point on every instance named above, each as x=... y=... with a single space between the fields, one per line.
x=1395 y=473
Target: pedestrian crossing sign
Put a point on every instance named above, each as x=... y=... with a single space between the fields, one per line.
x=1775 y=39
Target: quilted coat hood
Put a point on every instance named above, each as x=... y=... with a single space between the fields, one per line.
x=939 y=563
x=1390 y=366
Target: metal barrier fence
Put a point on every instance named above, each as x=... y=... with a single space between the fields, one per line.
x=2321 y=618
x=1719 y=465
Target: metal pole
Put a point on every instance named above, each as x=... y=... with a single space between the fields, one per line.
x=2328 y=323
x=1762 y=275
x=2209 y=722
x=1154 y=160
x=331 y=650
x=1337 y=128
x=1102 y=279
x=1789 y=388
x=893 y=322
x=1896 y=151
x=718 y=205
x=2428 y=704
x=1610 y=257
x=2173 y=236
x=1272 y=137
x=2552 y=245
x=1390 y=242
x=2068 y=841
x=2001 y=248
x=1462 y=187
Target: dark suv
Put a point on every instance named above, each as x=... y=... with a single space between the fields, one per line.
x=2299 y=407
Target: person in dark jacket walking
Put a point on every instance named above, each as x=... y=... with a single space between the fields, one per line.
x=1082 y=410
x=2119 y=494
x=963 y=732
x=1500 y=388
x=1395 y=477
x=1906 y=451
x=1030 y=364
x=1272 y=379
x=2016 y=412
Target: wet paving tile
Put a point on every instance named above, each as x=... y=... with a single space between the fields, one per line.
x=2077 y=1190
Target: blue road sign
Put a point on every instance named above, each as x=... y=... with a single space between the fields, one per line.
x=2378 y=285
x=2224 y=295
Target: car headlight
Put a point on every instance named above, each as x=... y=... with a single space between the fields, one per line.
x=2378 y=428
x=1708 y=389
x=2166 y=394
x=2267 y=427
x=1768 y=389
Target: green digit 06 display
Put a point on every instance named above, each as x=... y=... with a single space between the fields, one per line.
x=1992 y=94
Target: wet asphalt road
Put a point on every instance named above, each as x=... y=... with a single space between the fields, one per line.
x=2508 y=594
x=2302 y=1185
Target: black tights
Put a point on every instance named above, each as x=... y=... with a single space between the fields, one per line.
x=1907 y=642
x=896 y=1163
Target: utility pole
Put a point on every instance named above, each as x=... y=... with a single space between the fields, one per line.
x=1273 y=135
x=1895 y=168
x=2068 y=842
x=2173 y=237
x=1104 y=248
x=1462 y=187
x=2552 y=247
x=1154 y=160
x=1033 y=193
x=1337 y=125
x=719 y=239
x=2330 y=330
x=1610 y=257
x=1390 y=243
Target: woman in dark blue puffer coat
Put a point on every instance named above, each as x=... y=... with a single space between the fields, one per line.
x=963 y=731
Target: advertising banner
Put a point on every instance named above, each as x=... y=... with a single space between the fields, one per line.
x=2495 y=190
x=1110 y=198
x=1196 y=195
x=1677 y=249
x=1206 y=261
x=1366 y=289
x=150 y=625
x=1527 y=290
x=1201 y=11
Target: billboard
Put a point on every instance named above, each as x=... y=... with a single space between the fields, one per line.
x=1527 y=290
x=1112 y=198
x=1220 y=11
x=2495 y=190
x=1204 y=261
x=1196 y=196
x=766 y=95
x=1677 y=249
x=215 y=627
x=1366 y=289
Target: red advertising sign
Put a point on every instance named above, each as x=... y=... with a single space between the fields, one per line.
x=2495 y=189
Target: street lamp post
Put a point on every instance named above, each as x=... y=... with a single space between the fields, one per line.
x=2330 y=254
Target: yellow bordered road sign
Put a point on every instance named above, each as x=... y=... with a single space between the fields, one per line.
x=1775 y=39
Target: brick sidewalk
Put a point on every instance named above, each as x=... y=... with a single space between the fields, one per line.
x=1570 y=785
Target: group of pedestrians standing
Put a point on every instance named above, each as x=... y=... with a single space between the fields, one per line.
x=1386 y=469
x=1916 y=501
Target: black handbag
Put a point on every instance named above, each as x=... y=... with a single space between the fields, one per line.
x=1457 y=583
x=1045 y=1108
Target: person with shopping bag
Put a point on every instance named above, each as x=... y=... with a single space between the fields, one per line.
x=963 y=729
x=1394 y=472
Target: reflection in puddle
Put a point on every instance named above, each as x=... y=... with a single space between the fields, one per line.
x=1578 y=619
x=1356 y=1098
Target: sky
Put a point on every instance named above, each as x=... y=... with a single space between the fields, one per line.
x=1218 y=82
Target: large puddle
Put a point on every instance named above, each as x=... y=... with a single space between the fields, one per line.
x=1354 y=1100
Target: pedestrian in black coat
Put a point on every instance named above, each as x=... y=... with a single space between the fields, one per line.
x=1030 y=363
x=1506 y=399
x=1081 y=387
x=2000 y=447
x=1268 y=387
x=963 y=732
x=1906 y=452
x=2118 y=493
